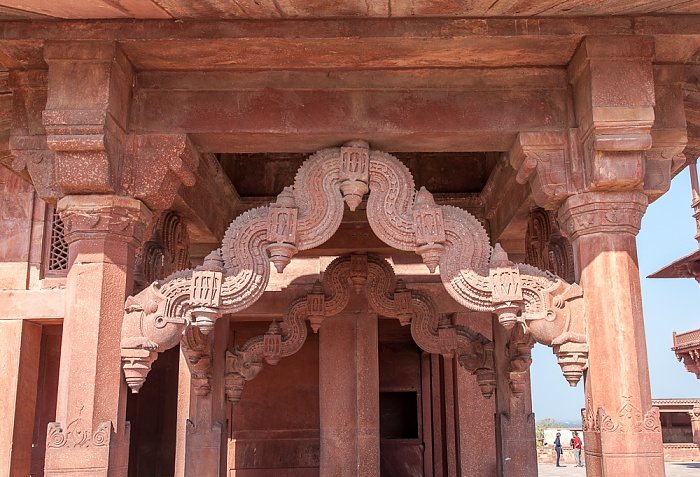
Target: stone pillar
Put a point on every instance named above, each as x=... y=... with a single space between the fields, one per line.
x=20 y=343
x=205 y=426
x=516 y=447
x=349 y=396
x=477 y=440
x=622 y=430
x=695 y=424
x=90 y=435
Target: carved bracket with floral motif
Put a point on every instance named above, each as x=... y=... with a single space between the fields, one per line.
x=387 y=296
x=307 y=214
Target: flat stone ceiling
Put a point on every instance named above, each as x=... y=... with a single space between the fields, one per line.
x=279 y=9
x=265 y=175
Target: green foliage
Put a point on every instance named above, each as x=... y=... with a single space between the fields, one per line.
x=540 y=427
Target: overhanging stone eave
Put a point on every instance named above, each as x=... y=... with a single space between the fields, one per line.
x=678 y=268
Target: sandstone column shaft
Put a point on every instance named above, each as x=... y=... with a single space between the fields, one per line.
x=622 y=430
x=349 y=396
x=205 y=430
x=19 y=366
x=90 y=434
x=477 y=440
x=516 y=450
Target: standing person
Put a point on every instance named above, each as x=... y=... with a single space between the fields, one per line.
x=557 y=447
x=577 y=449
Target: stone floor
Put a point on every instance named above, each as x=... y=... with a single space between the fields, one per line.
x=675 y=469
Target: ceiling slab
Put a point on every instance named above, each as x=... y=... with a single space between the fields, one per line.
x=278 y=9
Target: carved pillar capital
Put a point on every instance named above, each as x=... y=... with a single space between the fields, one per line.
x=603 y=212
x=104 y=216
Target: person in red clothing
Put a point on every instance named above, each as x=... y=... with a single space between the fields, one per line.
x=576 y=444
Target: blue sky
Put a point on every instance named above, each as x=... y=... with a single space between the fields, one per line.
x=668 y=230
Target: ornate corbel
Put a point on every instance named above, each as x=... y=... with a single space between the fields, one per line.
x=573 y=360
x=244 y=363
x=542 y=160
x=282 y=229
x=354 y=172
x=520 y=354
x=316 y=306
x=197 y=350
x=205 y=292
x=161 y=163
x=402 y=303
x=486 y=372
x=669 y=134
x=429 y=229
x=146 y=330
x=506 y=291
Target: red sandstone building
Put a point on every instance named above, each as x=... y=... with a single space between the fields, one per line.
x=285 y=238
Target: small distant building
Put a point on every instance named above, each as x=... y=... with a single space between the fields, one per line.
x=680 y=429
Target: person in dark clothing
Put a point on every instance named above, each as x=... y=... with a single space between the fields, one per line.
x=557 y=448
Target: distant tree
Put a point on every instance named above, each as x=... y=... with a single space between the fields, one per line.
x=540 y=427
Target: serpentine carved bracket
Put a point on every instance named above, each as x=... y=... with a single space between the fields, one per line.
x=308 y=214
x=387 y=296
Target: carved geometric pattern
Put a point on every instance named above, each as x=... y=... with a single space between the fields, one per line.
x=350 y=274
x=77 y=434
x=546 y=248
x=549 y=308
x=628 y=419
x=58 y=249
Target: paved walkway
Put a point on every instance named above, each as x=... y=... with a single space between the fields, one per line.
x=676 y=469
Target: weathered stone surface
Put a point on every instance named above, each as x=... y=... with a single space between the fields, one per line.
x=90 y=429
x=622 y=430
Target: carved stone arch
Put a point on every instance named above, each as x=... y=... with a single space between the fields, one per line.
x=307 y=214
x=388 y=296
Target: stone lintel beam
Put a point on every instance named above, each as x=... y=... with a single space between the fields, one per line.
x=43 y=306
x=613 y=88
x=307 y=119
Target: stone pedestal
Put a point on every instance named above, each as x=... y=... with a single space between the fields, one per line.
x=622 y=430
x=90 y=435
x=516 y=450
x=349 y=396
x=20 y=343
